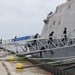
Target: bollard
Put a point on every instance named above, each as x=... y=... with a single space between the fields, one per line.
x=19 y=67
x=11 y=59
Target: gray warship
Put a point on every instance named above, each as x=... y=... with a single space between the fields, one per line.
x=58 y=35
x=55 y=44
x=57 y=39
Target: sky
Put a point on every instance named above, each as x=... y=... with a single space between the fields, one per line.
x=24 y=17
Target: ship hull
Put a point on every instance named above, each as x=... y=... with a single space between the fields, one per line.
x=61 y=52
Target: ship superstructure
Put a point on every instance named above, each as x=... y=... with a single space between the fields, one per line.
x=64 y=16
x=61 y=42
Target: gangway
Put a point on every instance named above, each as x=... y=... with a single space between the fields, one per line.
x=39 y=45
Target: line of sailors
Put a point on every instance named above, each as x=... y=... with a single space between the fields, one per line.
x=50 y=38
x=63 y=39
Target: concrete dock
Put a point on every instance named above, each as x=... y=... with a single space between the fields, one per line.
x=9 y=68
x=2 y=69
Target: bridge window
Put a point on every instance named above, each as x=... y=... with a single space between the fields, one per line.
x=50 y=26
x=53 y=22
x=56 y=9
x=59 y=22
x=69 y=6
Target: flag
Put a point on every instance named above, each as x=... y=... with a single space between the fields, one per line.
x=49 y=15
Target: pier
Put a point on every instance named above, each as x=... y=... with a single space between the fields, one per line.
x=9 y=68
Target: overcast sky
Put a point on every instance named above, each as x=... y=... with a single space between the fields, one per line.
x=24 y=17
